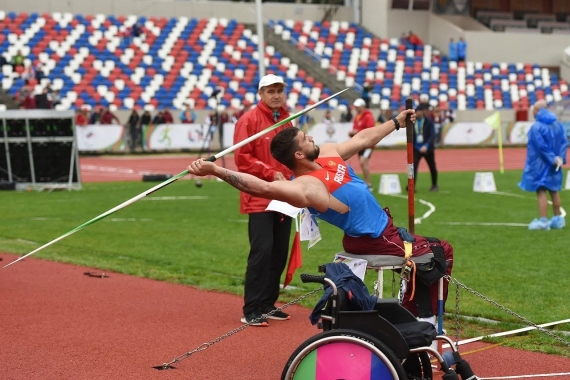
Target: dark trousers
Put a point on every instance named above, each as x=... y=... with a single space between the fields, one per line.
x=269 y=234
x=430 y=159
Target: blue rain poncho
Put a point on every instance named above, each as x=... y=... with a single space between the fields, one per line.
x=546 y=140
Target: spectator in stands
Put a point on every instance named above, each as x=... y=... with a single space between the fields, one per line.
x=167 y=116
x=461 y=50
x=54 y=98
x=452 y=50
x=81 y=118
x=438 y=123
x=157 y=119
x=414 y=40
x=546 y=154
x=107 y=117
x=22 y=93
x=303 y=122
x=42 y=100
x=346 y=117
x=246 y=107
x=424 y=145
x=146 y=119
x=382 y=118
x=366 y=89
x=449 y=115
x=188 y=116
x=224 y=117
x=363 y=120
x=95 y=117
x=39 y=69
x=134 y=127
x=268 y=231
x=17 y=60
x=211 y=119
x=125 y=35
x=404 y=39
x=328 y=119
x=29 y=72
x=137 y=30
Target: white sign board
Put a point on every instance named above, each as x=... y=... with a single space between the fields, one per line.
x=468 y=134
x=519 y=132
x=176 y=136
x=100 y=138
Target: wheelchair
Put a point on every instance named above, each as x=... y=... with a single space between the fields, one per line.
x=386 y=343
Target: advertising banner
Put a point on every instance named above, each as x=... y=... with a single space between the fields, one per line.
x=517 y=132
x=464 y=133
x=163 y=137
x=100 y=138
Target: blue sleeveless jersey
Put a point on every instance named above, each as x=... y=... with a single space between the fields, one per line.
x=365 y=215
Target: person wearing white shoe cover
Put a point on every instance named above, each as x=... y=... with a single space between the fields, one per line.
x=546 y=154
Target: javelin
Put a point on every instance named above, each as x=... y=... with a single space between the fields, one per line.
x=182 y=174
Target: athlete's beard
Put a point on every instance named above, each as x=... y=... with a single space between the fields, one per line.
x=312 y=156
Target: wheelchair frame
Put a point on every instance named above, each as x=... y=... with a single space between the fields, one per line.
x=377 y=332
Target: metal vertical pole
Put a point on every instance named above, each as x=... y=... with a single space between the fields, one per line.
x=410 y=151
x=261 y=39
x=30 y=154
x=7 y=147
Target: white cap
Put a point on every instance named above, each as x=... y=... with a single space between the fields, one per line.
x=270 y=79
x=359 y=103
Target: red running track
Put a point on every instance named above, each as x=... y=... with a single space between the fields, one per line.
x=57 y=323
x=127 y=168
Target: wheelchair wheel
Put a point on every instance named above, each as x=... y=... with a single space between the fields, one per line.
x=343 y=354
x=418 y=366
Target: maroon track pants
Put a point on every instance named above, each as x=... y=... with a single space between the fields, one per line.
x=390 y=243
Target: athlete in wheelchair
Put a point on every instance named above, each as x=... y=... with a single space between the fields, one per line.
x=365 y=337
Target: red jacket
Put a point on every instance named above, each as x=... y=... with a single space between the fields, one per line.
x=255 y=158
x=108 y=117
x=363 y=121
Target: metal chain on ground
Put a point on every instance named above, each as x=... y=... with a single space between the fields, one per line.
x=205 y=346
x=457 y=316
x=530 y=323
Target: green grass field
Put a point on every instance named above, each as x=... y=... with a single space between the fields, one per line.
x=202 y=241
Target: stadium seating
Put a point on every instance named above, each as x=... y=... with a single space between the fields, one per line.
x=177 y=59
x=398 y=71
x=181 y=59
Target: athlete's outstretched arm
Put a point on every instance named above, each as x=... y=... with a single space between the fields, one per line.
x=369 y=137
x=292 y=192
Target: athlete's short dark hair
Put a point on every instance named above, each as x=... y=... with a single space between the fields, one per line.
x=284 y=146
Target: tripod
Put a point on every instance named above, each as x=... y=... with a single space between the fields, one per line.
x=216 y=123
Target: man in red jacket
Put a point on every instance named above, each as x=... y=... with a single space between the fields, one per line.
x=268 y=231
x=363 y=119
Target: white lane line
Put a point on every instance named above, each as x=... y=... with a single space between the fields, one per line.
x=562 y=211
x=27 y=241
x=128 y=220
x=507 y=194
x=430 y=211
x=483 y=224
x=42 y=218
x=172 y=198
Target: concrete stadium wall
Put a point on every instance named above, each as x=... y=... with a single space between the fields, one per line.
x=484 y=45
x=242 y=12
x=380 y=19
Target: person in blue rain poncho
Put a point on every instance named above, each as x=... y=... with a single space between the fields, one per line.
x=546 y=153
